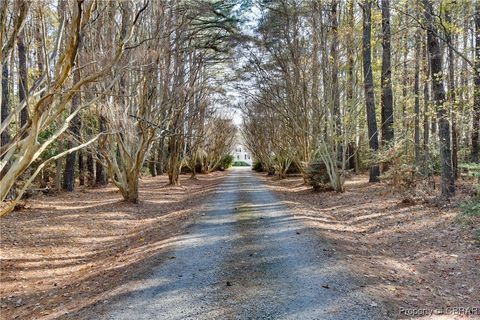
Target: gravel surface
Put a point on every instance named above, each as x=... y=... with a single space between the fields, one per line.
x=247 y=257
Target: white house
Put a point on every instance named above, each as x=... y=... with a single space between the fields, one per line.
x=240 y=153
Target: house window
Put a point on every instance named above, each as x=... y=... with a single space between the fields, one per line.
x=238 y=157
x=245 y=157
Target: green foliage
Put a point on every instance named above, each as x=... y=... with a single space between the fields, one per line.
x=470 y=169
x=470 y=209
x=241 y=164
x=470 y=212
x=227 y=161
x=257 y=166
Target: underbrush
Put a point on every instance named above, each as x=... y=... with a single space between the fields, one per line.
x=470 y=213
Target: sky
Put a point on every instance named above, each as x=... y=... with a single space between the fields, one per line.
x=249 y=15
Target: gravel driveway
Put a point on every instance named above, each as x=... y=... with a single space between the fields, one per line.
x=247 y=257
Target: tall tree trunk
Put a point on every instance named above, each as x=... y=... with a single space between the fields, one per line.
x=5 y=136
x=151 y=163
x=463 y=136
x=368 y=84
x=81 y=168
x=74 y=132
x=5 y=111
x=90 y=170
x=22 y=77
x=160 y=157
x=100 y=174
x=417 y=98
x=58 y=167
x=476 y=90
x=386 y=79
x=436 y=68
x=335 y=85
x=405 y=123
x=174 y=162
x=351 y=82
x=426 y=100
x=452 y=97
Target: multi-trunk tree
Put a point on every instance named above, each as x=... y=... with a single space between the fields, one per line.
x=121 y=73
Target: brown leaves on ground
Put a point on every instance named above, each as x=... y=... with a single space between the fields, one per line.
x=410 y=255
x=70 y=251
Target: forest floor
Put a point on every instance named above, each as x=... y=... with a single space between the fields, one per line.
x=64 y=252
x=411 y=255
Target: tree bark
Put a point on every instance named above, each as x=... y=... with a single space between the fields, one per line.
x=386 y=79
x=151 y=164
x=335 y=85
x=160 y=157
x=452 y=97
x=100 y=174
x=74 y=132
x=174 y=161
x=476 y=91
x=416 y=89
x=426 y=100
x=436 y=68
x=353 y=154
x=22 y=77
x=90 y=170
x=5 y=111
x=81 y=168
x=5 y=136
x=368 y=86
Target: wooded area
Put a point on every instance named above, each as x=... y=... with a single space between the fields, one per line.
x=115 y=86
x=119 y=119
x=389 y=86
x=112 y=86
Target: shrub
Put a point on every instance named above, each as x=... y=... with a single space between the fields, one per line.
x=470 y=169
x=257 y=166
x=293 y=169
x=241 y=164
x=226 y=162
x=470 y=212
x=412 y=181
x=317 y=176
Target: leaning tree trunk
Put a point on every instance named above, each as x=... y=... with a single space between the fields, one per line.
x=368 y=84
x=436 y=68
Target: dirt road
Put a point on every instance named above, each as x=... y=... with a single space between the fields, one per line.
x=247 y=257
